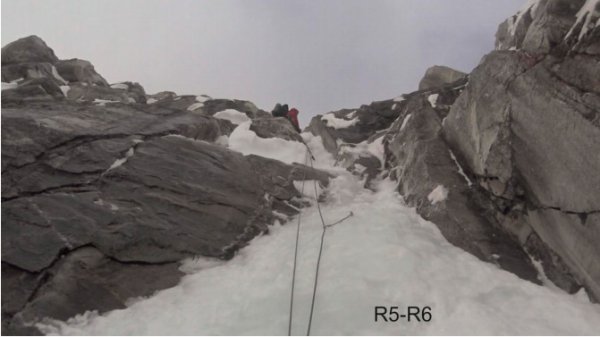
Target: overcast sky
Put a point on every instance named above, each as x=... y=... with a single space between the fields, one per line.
x=316 y=55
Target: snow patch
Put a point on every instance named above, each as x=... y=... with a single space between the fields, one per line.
x=222 y=140
x=338 y=123
x=195 y=106
x=203 y=98
x=244 y=140
x=122 y=86
x=433 y=100
x=102 y=102
x=309 y=188
x=530 y=6
x=394 y=106
x=9 y=85
x=405 y=121
x=460 y=169
x=440 y=193
x=151 y=100
x=587 y=17
x=400 y=98
x=232 y=115
x=358 y=168
x=12 y=84
x=65 y=89
x=57 y=75
x=121 y=161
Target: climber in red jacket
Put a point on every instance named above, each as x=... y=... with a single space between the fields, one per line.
x=292 y=115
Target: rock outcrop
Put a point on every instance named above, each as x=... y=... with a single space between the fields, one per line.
x=533 y=131
x=105 y=192
x=438 y=76
x=504 y=165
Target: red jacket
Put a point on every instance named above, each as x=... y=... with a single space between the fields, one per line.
x=293 y=117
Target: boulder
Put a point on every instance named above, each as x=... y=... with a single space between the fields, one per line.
x=133 y=89
x=29 y=49
x=270 y=127
x=438 y=76
x=76 y=70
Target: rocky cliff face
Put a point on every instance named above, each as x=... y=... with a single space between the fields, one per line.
x=503 y=161
x=105 y=190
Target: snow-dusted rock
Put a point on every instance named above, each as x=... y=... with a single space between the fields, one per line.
x=543 y=25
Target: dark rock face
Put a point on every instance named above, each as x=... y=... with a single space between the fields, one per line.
x=424 y=165
x=533 y=123
x=76 y=70
x=27 y=50
x=438 y=76
x=103 y=195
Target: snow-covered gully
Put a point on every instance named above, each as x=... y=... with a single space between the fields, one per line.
x=384 y=255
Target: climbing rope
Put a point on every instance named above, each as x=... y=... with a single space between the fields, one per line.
x=324 y=229
x=296 y=252
x=310 y=156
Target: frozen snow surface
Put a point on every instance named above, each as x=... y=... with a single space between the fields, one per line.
x=433 y=100
x=384 y=255
x=440 y=193
x=374 y=148
x=234 y=116
x=338 y=123
x=244 y=140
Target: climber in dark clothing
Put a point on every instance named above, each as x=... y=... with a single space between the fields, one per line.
x=292 y=116
x=280 y=110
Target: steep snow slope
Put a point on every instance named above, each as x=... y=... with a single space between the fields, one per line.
x=385 y=255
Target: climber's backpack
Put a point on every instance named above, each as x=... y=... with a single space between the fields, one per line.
x=280 y=110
